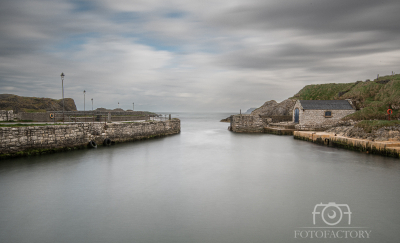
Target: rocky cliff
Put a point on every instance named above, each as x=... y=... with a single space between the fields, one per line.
x=249 y=111
x=273 y=108
x=34 y=104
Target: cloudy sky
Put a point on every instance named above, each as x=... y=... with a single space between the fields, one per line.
x=184 y=55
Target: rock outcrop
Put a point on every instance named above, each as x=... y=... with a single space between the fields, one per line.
x=249 y=111
x=228 y=119
x=273 y=108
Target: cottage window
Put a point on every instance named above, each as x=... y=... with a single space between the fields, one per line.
x=328 y=113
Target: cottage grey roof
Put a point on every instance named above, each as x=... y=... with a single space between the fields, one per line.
x=326 y=105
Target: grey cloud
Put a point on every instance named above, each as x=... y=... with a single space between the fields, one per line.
x=320 y=16
x=294 y=54
x=215 y=58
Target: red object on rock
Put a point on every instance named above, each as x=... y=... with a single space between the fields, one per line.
x=389 y=111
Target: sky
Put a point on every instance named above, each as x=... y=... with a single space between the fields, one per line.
x=184 y=55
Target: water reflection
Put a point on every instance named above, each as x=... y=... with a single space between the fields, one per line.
x=203 y=185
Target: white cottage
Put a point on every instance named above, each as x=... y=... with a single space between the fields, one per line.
x=318 y=112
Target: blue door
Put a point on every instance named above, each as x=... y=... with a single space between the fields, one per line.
x=296 y=115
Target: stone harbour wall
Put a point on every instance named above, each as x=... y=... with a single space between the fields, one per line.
x=35 y=116
x=21 y=140
x=390 y=147
x=247 y=124
x=6 y=115
x=72 y=115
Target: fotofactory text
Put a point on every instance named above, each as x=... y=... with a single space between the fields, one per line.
x=332 y=220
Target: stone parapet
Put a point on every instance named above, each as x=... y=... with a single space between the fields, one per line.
x=80 y=115
x=6 y=115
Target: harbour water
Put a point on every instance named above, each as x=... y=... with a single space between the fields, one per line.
x=205 y=184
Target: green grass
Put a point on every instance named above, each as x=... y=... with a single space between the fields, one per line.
x=364 y=92
x=390 y=93
x=323 y=91
x=372 y=98
x=371 y=113
x=374 y=125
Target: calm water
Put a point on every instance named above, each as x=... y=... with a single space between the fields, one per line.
x=204 y=185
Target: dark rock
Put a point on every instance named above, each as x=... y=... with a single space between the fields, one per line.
x=228 y=119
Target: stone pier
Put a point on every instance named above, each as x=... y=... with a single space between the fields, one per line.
x=387 y=148
x=42 y=139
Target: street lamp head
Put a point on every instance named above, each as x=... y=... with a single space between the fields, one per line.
x=62 y=75
x=84 y=91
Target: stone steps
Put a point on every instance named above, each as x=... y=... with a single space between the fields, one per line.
x=282 y=125
x=278 y=131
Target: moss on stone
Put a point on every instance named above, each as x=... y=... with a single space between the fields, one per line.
x=31 y=152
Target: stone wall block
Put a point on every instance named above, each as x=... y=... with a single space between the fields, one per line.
x=19 y=139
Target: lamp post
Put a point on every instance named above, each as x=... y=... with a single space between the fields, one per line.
x=92 y=111
x=133 y=106
x=62 y=86
x=84 y=92
x=118 y=104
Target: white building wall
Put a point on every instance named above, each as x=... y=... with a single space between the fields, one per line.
x=298 y=105
x=316 y=118
x=313 y=117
